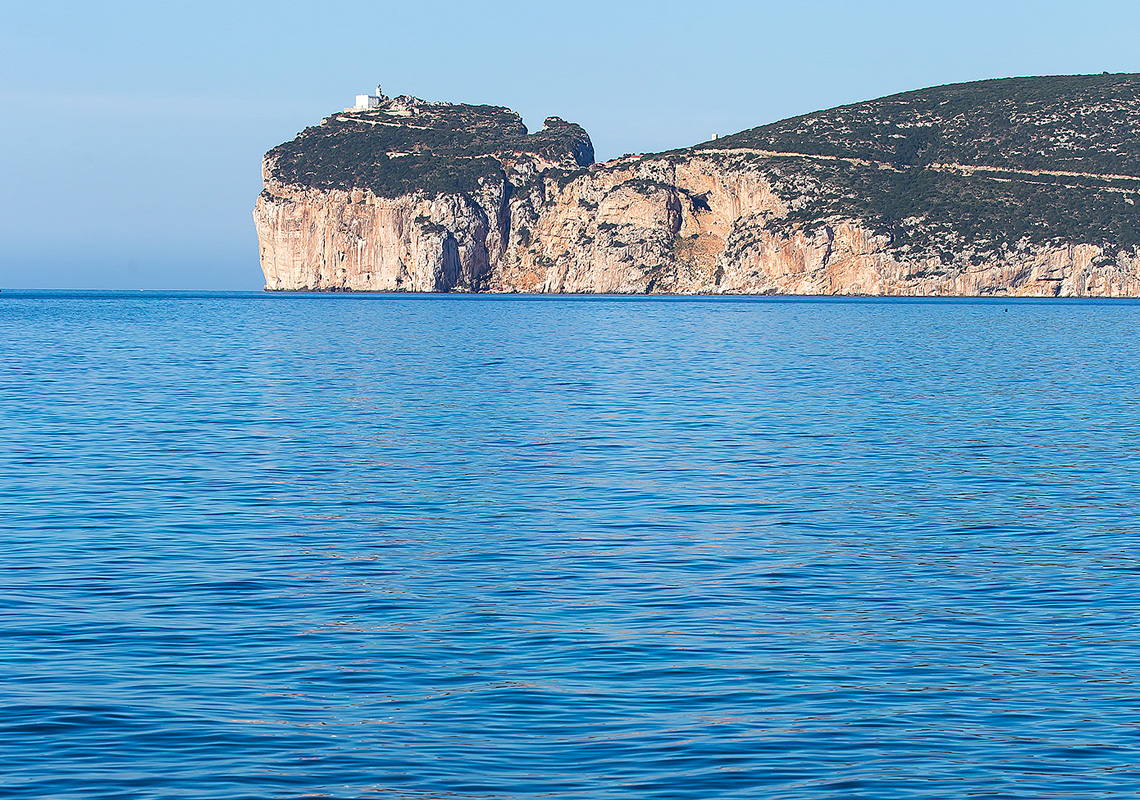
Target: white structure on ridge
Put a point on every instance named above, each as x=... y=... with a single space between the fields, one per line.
x=364 y=101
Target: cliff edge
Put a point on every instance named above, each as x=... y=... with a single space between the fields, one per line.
x=1022 y=186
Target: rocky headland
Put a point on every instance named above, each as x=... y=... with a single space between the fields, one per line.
x=1024 y=186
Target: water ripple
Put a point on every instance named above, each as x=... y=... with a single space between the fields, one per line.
x=466 y=547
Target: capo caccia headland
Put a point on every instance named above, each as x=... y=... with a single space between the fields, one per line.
x=1019 y=186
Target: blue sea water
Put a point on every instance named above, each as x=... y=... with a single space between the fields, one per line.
x=264 y=546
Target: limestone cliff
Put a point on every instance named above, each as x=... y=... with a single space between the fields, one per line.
x=1023 y=187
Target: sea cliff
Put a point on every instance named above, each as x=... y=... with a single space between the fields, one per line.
x=1009 y=187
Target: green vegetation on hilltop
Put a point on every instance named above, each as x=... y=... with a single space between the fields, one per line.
x=407 y=145
x=1081 y=123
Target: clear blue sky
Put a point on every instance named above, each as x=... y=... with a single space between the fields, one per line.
x=131 y=132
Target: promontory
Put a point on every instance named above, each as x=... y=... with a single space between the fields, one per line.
x=1018 y=186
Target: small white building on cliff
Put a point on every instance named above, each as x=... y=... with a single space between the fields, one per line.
x=365 y=101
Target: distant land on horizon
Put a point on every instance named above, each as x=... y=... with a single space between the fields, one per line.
x=1014 y=186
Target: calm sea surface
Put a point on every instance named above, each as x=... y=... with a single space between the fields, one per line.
x=263 y=546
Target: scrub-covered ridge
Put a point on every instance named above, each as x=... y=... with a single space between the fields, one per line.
x=1082 y=123
x=406 y=145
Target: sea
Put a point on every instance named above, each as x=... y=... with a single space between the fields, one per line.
x=467 y=547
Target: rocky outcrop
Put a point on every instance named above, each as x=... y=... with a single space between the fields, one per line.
x=538 y=217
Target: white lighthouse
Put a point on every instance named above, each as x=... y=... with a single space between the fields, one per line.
x=365 y=101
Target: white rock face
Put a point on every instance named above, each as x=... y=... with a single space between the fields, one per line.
x=335 y=240
x=633 y=226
